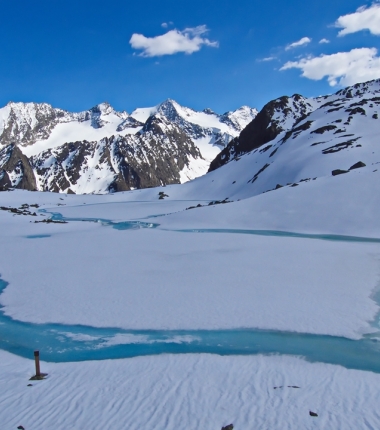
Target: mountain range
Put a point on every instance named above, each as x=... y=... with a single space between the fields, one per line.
x=102 y=150
x=291 y=140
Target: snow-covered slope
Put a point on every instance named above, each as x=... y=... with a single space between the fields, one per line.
x=44 y=135
x=330 y=136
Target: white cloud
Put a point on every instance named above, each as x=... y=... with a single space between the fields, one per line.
x=303 y=41
x=324 y=41
x=343 y=68
x=268 y=59
x=166 y=24
x=188 y=41
x=363 y=19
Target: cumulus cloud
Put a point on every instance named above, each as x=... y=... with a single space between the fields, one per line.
x=324 y=41
x=363 y=19
x=303 y=41
x=343 y=68
x=188 y=41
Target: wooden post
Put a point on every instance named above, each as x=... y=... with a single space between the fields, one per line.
x=37 y=362
x=38 y=376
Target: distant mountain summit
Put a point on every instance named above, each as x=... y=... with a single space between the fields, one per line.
x=103 y=150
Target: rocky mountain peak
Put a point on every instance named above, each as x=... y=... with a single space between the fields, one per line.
x=209 y=111
x=239 y=118
x=168 y=108
x=276 y=116
x=101 y=114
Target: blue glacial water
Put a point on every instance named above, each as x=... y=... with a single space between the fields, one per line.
x=63 y=343
x=134 y=225
x=277 y=233
x=38 y=236
x=123 y=225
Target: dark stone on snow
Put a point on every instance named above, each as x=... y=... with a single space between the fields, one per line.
x=258 y=173
x=338 y=172
x=357 y=165
x=339 y=146
x=313 y=414
x=229 y=427
x=322 y=130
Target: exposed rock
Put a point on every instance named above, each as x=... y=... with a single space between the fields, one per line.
x=357 y=165
x=313 y=414
x=15 y=170
x=339 y=146
x=275 y=117
x=322 y=130
x=229 y=427
x=338 y=172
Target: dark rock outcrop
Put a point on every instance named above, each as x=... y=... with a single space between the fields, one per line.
x=15 y=170
x=275 y=117
x=357 y=165
x=337 y=172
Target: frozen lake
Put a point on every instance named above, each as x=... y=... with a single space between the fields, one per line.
x=64 y=343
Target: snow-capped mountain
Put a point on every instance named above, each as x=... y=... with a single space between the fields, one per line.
x=209 y=131
x=102 y=150
x=294 y=139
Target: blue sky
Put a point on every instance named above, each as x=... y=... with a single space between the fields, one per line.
x=75 y=54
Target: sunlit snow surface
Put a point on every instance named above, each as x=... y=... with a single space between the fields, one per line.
x=91 y=274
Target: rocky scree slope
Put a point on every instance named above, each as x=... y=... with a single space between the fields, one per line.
x=102 y=150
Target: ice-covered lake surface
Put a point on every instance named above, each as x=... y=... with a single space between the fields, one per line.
x=65 y=343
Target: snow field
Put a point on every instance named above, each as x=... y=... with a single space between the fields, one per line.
x=191 y=391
